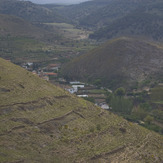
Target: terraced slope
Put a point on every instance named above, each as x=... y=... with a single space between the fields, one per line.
x=42 y=123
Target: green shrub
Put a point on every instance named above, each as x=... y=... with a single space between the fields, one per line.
x=120 y=91
x=98 y=127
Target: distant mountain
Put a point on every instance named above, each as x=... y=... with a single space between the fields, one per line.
x=29 y=11
x=58 y=1
x=97 y=13
x=110 y=11
x=144 y=21
x=43 y=123
x=75 y=13
x=119 y=62
x=115 y=18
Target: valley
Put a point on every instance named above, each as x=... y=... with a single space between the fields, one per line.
x=81 y=82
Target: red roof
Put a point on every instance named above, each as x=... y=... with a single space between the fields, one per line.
x=50 y=73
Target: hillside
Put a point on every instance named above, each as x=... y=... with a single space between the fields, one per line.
x=116 y=18
x=110 y=11
x=29 y=11
x=146 y=20
x=15 y=26
x=118 y=62
x=75 y=13
x=22 y=41
x=42 y=123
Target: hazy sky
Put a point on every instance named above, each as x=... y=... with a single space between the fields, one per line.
x=58 y=1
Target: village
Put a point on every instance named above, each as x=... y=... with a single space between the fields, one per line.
x=89 y=92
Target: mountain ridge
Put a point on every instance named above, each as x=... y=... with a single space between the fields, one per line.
x=144 y=21
x=29 y=11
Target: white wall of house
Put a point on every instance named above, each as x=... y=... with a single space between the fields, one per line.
x=82 y=95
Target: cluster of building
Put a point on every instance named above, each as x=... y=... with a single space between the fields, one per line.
x=77 y=86
x=51 y=71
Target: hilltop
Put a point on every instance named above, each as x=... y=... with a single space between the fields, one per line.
x=42 y=123
x=119 y=62
x=29 y=11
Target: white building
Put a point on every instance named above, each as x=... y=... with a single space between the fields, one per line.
x=71 y=90
x=104 y=105
x=77 y=86
x=74 y=82
x=82 y=95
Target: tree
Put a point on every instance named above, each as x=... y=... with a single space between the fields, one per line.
x=120 y=91
x=108 y=98
x=97 y=82
x=139 y=113
x=121 y=105
x=148 y=119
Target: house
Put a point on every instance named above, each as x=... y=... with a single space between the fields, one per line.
x=77 y=86
x=29 y=64
x=34 y=72
x=104 y=105
x=74 y=82
x=45 y=78
x=53 y=67
x=82 y=95
x=50 y=74
x=71 y=90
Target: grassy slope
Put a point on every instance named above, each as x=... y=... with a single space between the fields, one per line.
x=42 y=123
x=12 y=25
x=119 y=61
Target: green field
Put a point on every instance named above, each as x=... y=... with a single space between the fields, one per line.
x=24 y=49
x=69 y=31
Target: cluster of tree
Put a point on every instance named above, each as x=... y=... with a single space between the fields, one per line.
x=136 y=109
x=119 y=103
